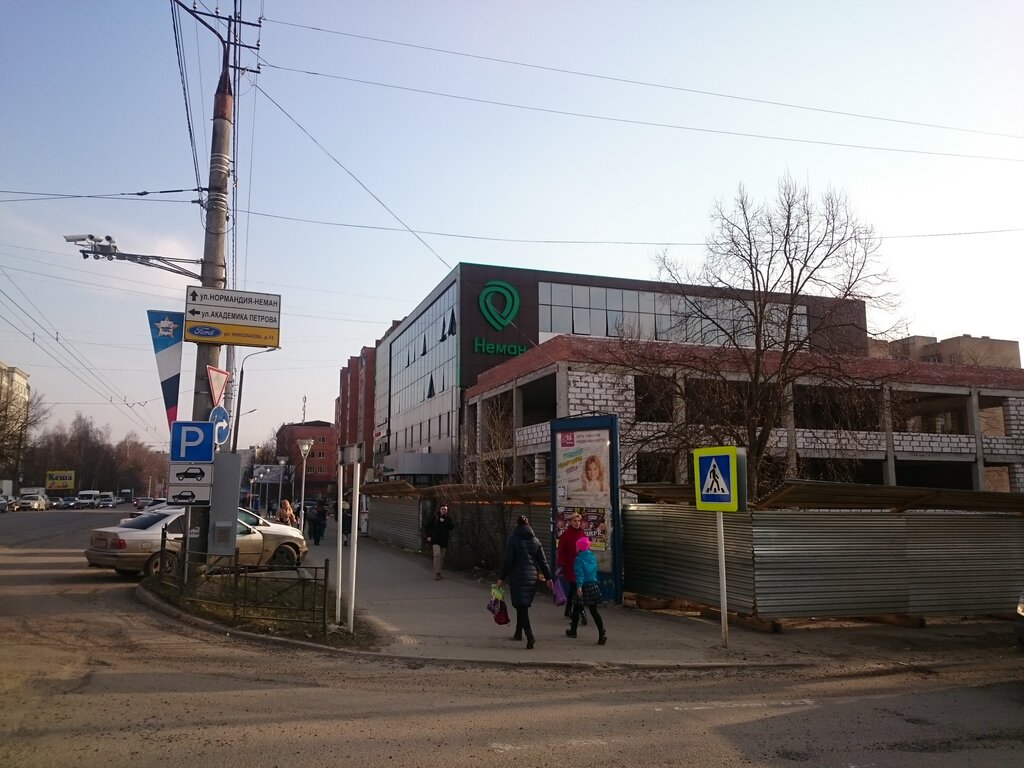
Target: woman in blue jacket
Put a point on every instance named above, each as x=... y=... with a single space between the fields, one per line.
x=588 y=591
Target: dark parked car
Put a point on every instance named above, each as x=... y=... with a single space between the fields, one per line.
x=67 y=502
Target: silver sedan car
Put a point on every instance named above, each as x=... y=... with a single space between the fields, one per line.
x=133 y=545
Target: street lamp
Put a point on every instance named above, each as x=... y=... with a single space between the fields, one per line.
x=238 y=399
x=252 y=481
x=282 y=460
x=304 y=446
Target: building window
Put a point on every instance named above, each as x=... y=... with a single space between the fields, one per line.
x=655 y=468
x=653 y=398
x=594 y=311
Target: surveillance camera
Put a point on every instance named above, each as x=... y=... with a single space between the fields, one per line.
x=74 y=238
x=109 y=239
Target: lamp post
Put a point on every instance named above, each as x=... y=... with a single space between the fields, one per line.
x=281 y=460
x=304 y=446
x=252 y=482
x=238 y=399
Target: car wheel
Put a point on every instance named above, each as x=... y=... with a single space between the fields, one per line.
x=285 y=557
x=158 y=564
x=125 y=572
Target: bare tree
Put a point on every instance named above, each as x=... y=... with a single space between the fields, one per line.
x=19 y=420
x=482 y=525
x=778 y=302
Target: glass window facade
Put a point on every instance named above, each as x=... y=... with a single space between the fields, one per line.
x=422 y=371
x=589 y=311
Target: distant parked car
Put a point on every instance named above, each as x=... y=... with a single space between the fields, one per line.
x=3 y=505
x=67 y=502
x=53 y=501
x=106 y=503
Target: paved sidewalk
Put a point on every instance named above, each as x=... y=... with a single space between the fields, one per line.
x=447 y=619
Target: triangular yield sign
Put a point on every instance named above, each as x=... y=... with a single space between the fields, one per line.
x=218 y=383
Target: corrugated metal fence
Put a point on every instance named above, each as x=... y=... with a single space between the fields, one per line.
x=799 y=563
x=396 y=520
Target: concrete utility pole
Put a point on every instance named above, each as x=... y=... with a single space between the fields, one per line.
x=214 y=273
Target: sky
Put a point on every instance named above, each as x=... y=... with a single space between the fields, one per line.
x=581 y=137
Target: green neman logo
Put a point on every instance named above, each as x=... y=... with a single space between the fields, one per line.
x=498 y=319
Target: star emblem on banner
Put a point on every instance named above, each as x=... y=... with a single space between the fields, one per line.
x=166 y=327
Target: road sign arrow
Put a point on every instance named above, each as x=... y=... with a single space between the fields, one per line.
x=194 y=312
x=194 y=295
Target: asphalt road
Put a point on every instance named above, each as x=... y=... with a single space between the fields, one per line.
x=89 y=677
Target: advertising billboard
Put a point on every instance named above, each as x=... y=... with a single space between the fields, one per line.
x=585 y=481
x=60 y=480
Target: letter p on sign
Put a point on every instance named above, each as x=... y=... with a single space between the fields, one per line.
x=192 y=441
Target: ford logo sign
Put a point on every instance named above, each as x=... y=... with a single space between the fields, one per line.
x=204 y=330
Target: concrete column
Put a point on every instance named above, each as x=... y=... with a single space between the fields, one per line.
x=974 y=424
x=539 y=468
x=790 y=417
x=889 y=471
x=478 y=432
x=562 y=391
x=517 y=422
x=683 y=464
x=1013 y=426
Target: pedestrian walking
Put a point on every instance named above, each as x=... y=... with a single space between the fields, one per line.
x=346 y=524
x=588 y=591
x=565 y=557
x=523 y=564
x=437 y=537
x=318 y=526
x=285 y=515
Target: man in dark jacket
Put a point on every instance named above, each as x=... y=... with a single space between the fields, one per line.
x=524 y=560
x=437 y=537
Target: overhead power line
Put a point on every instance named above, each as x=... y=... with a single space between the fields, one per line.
x=355 y=178
x=648 y=123
x=33 y=196
x=648 y=83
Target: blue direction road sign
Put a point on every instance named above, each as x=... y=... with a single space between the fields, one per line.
x=192 y=441
x=221 y=421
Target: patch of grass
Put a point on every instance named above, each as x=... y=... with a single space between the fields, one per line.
x=275 y=616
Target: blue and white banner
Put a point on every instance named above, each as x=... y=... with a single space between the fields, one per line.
x=167 y=330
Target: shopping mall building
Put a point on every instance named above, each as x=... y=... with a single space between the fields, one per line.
x=540 y=343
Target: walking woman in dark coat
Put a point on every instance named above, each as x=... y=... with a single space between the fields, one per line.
x=524 y=560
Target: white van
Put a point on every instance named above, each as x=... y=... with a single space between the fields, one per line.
x=87 y=500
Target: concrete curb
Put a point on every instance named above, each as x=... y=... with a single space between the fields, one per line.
x=151 y=600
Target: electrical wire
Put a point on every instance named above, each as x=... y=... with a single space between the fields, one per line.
x=107 y=196
x=650 y=84
x=650 y=123
x=118 y=400
x=355 y=178
x=183 y=74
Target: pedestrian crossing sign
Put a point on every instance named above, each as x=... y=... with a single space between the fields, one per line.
x=720 y=474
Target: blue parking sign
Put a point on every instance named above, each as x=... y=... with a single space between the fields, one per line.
x=192 y=441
